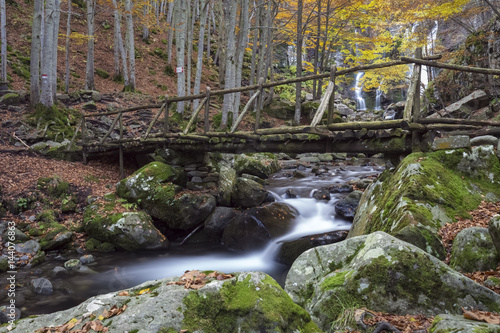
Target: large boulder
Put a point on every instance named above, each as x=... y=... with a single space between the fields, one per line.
x=465 y=107
x=226 y=185
x=247 y=193
x=429 y=190
x=129 y=230
x=249 y=302
x=217 y=221
x=255 y=227
x=445 y=323
x=189 y=210
x=494 y=229
x=383 y=274
x=346 y=207
x=258 y=164
x=473 y=251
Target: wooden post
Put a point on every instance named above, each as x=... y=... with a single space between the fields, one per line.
x=206 y=121
x=259 y=103
x=84 y=140
x=122 y=173
x=415 y=135
x=165 y=119
x=331 y=102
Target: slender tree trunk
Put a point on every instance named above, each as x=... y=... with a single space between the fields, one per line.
x=209 y=36
x=298 y=86
x=130 y=44
x=3 y=48
x=89 y=72
x=55 y=32
x=199 y=61
x=68 y=33
x=242 y=44
x=324 y=59
x=190 y=45
x=145 y=28
x=220 y=56
x=170 y=23
x=230 y=8
x=180 y=43
x=46 y=97
x=263 y=31
x=35 y=53
x=255 y=45
x=117 y=40
x=316 y=51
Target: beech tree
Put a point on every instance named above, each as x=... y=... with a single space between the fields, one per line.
x=3 y=38
x=180 y=42
x=35 y=53
x=130 y=45
x=89 y=72
x=49 y=51
x=201 y=40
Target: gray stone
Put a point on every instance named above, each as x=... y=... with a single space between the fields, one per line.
x=87 y=259
x=473 y=251
x=312 y=159
x=384 y=274
x=259 y=164
x=226 y=184
x=29 y=247
x=346 y=207
x=72 y=264
x=90 y=106
x=255 y=227
x=42 y=286
x=494 y=230
x=325 y=157
x=322 y=194
x=59 y=271
x=263 y=306
x=215 y=223
x=247 y=193
x=467 y=105
x=59 y=240
x=458 y=324
x=452 y=142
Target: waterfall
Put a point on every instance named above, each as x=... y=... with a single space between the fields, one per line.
x=431 y=40
x=378 y=97
x=358 y=91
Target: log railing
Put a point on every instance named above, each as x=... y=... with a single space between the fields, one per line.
x=411 y=119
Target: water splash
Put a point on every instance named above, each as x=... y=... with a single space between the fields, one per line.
x=358 y=92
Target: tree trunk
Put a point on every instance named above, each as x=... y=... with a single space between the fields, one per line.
x=3 y=48
x=180 y=42
x=199 y=61
x=89 y=72
x=47 y=98
x=209 y=36
x=242 y=44
x=130 y=44
x=255 y=43
x=35 y=53
x=192 y=15
x=68 y=33
x=230 y=8
x=145 y=28
x=316 y=51
x=298 y=86
x=55 y=32
x=170 y=23
x=117 y=41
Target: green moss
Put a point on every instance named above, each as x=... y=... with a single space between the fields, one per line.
x=55 y=186
x=241 y=304
x=59 y=122
x=102 y=73
x=334 y=281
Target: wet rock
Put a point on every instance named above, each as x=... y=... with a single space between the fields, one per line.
x=291 y=250
x=29 y=247
x=214 y=225
x=59 y=271
x=347 y=206
x=255 y=227
x=87 y=259
x=59 y=240
x=344 y=188
x=72 y=264
x=299 y=174
x=42 y=286
x=382 y=273
x=322 y=194
x=227 y=182
x=190 y=210
x=290 y=194
x=7 y=313
x=4 y=264
x=247 y=193
x=473 y=250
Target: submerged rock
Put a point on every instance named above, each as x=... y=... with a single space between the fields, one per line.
x=248 y=302
x=383 y=274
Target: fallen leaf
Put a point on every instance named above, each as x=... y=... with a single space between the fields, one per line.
x=488 y=317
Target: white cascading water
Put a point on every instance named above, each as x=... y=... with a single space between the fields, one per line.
x=358 y=91
x=431 y=41
x=378 y=98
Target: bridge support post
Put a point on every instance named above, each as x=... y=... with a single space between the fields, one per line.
x=415 y=136
x=165 y=119
x=331 y=102
x=122 y=173
x=84 y=140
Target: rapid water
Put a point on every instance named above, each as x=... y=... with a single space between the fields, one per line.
x=358 y=92
x=121 y=270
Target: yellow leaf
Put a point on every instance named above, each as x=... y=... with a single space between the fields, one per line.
x=144 y=291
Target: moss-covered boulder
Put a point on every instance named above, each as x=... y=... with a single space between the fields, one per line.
x=281 y=109
x=430 y=190
x=10 y=99
x=189 y=210
x=259 y=164
x=384 y=274
x=473 y=251
x=249 y=302
x=255 y=227
x=226 y=185
x=494 y=229
x=54 y=187
x=247 y=193
x=446 y=323
x=113 y=223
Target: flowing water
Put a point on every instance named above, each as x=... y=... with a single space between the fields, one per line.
x=121 y=270
x=358 y=92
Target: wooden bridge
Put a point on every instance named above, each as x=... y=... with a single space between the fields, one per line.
x=391 y=137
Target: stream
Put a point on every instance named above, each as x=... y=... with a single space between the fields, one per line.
x=120 y=270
